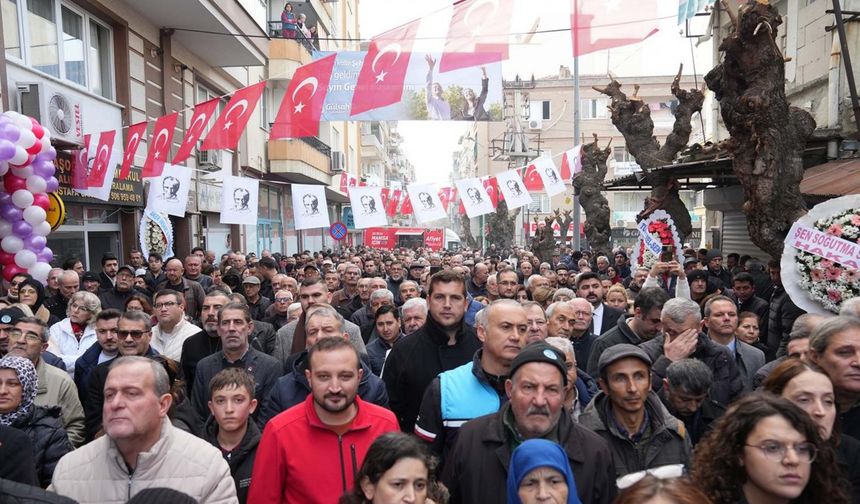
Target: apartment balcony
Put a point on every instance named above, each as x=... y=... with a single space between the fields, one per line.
x=286 y=56
x=301 y=160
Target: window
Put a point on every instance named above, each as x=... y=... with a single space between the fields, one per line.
x=205 y=94
x=61 y=40
x=594 y=108
x=539 y=204
x=620 y=154
x=539 y=109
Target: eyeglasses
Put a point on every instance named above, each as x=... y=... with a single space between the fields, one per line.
x=133 y=334
x=17 y=334
x=77 y=307
x=282 y=300
x=806 y=452
x=166 y=304
x=663 y=473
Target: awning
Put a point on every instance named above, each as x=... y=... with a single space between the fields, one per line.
x=834 y=178
x=409 y=232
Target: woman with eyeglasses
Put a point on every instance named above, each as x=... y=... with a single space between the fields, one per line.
x=810 y=388
x=540 y=472
x=43 y=425
x=69 y=338
x=766 y=450
x=31 y=292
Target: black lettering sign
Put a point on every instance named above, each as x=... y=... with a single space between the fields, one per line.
x=128 y=192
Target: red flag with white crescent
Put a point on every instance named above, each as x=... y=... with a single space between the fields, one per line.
x=595 y=26
x=492 y=187
x=532 y=179
x=159 y=145
x=202 y=113
x=393 y=203
x=301 y=108
x=406 y=208
x=380 y=81
x=478 y=34
x=228 y=128
x=571 y=163
x=101 y=159
x=136 y=132
x=384 y=195
x=80 y=169
x=445 y=196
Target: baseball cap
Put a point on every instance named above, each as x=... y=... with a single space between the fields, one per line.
x=618 y=352
x=89 y=276
x=540 y=352
x=251 y=280
x=690 y=260
x=127 y=268
x=11 y=315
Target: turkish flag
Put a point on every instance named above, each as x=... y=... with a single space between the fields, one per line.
x=231 y=123
x=299 y=115
x=478 y=34
x=346 y=181
x=384 y=194
x=406 y=208
x=571 y=163
x=492 y=187
x=445 y=195
x=460 y=207
x=202 y=113
x=532 y=179
x=159 y=145
x=393 y=203
x=595 y=26
x=80 y=169
x=96 y=177
x=380 y=81
x=135 y=133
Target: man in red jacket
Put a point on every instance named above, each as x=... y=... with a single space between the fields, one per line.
x=311 y=452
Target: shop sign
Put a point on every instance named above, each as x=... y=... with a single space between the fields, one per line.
x=56 y=213
x=128 y=192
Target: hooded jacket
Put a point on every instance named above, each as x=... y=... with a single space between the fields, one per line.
x=240 y=459
x=417 y=359
x=292 y=389
x=50 y=442
x=667 y=444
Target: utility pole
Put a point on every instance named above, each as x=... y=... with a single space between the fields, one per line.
x=576 y=135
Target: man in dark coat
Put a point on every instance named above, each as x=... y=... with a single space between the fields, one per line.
x=118 y=294
x=477 y=468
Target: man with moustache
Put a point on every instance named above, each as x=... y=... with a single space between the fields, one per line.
x=207 y=341
x=413 y=315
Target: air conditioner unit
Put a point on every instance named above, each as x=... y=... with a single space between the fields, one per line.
x=535 y=124
x=55 y=109
x=208 y=158
x=337 y=162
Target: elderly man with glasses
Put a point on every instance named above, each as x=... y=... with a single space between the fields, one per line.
x=280 y=309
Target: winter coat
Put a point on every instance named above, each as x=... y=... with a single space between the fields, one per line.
x=17 y=463
x=84 y=367
x=96 y=473
x=621 y=333
x=477 y=468
x=301 y=460
x=57 y=389
x=112 y=298
x=240 y=459
x=783 y=312
x=667 y=444
x=417 y=359
x=63 y=343
x=727 y=385
x=191 y=290
x=13 y=492
x=848 y=460
x=292 y=389
x=284 y=339
x=50 y=442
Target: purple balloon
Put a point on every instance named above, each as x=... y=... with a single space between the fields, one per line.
x=22 y=229
x=35 y=243
x=5 y=198
x=52 y=185
x=11 y=214
x=46 y=255
x=48 y=155
x=7 y=150
x=9 y=131
x=44 y=169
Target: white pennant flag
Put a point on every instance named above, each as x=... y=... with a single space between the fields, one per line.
x=426 y=203
x=240 y=200
x=168 y=193
x=548 y=172
x=475 y=199
x=512 y=187
x=573 y=159
x=367 y=208
x=310 y=207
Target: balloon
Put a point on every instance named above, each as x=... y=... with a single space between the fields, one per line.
x=35 y=148
x=10 y=213
x=26 y=139
x=22 y=229
x=52 y=185
x=13 y=183
x=10 y=271
x=41 y=200
x=6 y=257
x=46 y=255
x=22 y=171
x=12 y=244
x=35 y=242
x=44 y=169
x=22 y=198
x=20 y=156
x=40 y=271
x=36 y=184
x=5 y=228
x=7 y=149
x=38 y=130
x=25 y=259
x=9 y=132
x=4 y=168
x=34 y=215
x=41 y=229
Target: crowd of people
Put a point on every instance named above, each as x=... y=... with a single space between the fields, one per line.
x=374 y=376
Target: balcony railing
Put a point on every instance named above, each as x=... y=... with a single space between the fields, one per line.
x=276 y=31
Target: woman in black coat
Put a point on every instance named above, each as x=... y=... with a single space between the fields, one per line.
x=44 y=427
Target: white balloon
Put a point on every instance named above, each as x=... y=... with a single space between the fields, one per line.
x=12 y=244
x=20 y=156
x=25 y=259
x=22 y=171
x=40 y=271
x=4 y=167
x=42 y=228
x=5 y=228
x=23 y=121
x=22 y=198
x=34 y=215
x=27 y=139
x=36 y=184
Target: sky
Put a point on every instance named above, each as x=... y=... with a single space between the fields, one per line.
x=430 y=145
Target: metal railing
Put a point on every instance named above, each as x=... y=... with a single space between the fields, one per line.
x=276 y=31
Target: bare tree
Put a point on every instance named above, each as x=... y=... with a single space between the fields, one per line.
x=589 y=185
x=768 y=136
x=500 y=226
x=632 y=117
x=564 y=224
x=543 y=244
x=466 y=232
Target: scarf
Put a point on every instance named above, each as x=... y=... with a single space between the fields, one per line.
x=29 y=383
x=536 y=453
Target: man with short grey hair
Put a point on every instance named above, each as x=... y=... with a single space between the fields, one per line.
x=850 y=308
x=797 y=346
x=68 y=283
x=685 y=395
x=835 y=346
x=413 y=315
x=136 y=401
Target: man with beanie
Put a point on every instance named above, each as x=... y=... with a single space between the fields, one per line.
x=714 y=266
x=631 y=417
x=477 y=467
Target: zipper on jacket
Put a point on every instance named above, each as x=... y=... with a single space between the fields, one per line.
x=130 y=475
x=342 y=462
x=354 y=462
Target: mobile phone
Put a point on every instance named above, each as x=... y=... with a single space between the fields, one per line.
x=667 y=253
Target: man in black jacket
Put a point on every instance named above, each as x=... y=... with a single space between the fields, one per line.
x=604 y=317
x=118 y=294
x=107 y=277
x=445 y=342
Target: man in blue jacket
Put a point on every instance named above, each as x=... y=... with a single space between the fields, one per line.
x=105 y=349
